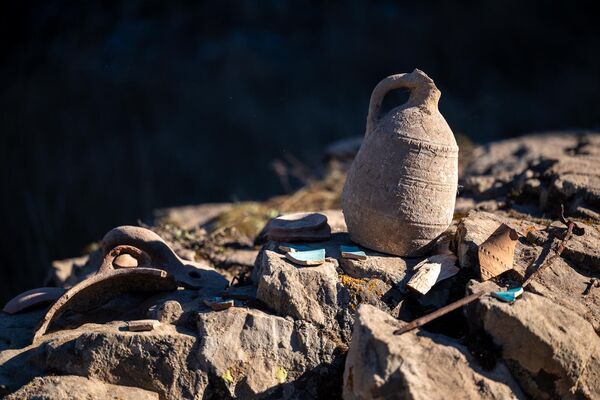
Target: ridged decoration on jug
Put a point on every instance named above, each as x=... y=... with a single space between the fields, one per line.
x=401 y=188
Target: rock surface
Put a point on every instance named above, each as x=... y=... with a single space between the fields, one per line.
x=552 y=351
x=416 y=366
x=257 y=354
x=311 y=293
x=288 y=332
x=78 y=388
x=543 y=170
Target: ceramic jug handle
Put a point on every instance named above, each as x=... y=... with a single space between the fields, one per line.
x=392 y=82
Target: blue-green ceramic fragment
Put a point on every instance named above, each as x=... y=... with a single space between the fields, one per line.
x=509 y=296
x=285 y=247
x=310 y=257
x=352 y=252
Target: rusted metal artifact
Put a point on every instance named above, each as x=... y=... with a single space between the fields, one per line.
x=100 y=288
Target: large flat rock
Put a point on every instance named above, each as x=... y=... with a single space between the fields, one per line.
x=416 y=365
x=551 y=350
x=547 y=171
x=255 y=354
x=565 y=281
x=311 y=294
x=78 y=388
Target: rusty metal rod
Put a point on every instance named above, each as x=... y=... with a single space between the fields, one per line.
x=557 y=253
x=438 y=313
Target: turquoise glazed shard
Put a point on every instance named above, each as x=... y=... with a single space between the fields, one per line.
x=353 y=252
x=310 y=257
x=509 y=296
x=285 y=247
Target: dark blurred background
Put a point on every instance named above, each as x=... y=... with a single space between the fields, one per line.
x=109 y=110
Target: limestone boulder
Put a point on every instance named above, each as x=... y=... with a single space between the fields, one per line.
x=77 y=388
x=161 y=361
x=416 y=365
x=552 y=351
x=251 y=354
x=311 y=294
x=544 y=171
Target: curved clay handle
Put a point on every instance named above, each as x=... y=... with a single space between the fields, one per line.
x=422 y=91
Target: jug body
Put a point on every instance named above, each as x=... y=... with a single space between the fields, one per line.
x=401 y=188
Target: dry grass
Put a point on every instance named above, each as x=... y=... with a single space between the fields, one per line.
x=249 y=218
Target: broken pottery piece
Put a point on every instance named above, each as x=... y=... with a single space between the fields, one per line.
x=509 y=296
x=401 y=188
x=297 y=222
x=32 y=298
x=218 y=303
x=352 y=252
x=100 y=288
x=310 y=227
x=142 y=325
x=290 y=247
x=497 y=252
x=431 y=271
x=311 y=257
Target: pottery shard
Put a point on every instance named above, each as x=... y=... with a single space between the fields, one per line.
x=306 y=293
x=416 y=366
x=252 y=353
x=32 y=298
x=477 y=226
x=496 y=254
x=78 y=388
x=432 y=270
x=298 y=227
x=142 y=325
x=553 y=352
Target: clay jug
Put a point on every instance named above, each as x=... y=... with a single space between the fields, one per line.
x=401 y=188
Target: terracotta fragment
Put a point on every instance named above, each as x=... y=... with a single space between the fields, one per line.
x=401 y=188
x=142 y=325
x=32 y=298
x=497 y=252
x=218 y=303
x=100 y=288
x=297 y=222
x=308 y=227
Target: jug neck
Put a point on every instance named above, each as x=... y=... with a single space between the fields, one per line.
x=423 y=94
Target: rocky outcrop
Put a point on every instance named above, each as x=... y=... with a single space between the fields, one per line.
x=255 y=354
x=416 y=365
x=161 y=361
x=289 y=327
x=543 y=171
x=78 y=388
x=551 y=350
x=565 y=282
x=308 y=293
